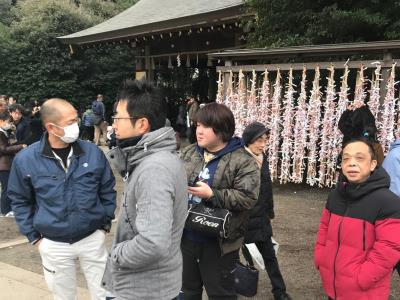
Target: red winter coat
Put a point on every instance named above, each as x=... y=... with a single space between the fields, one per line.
x=358 y=242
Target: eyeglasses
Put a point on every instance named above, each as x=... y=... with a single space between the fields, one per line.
x=116 y=119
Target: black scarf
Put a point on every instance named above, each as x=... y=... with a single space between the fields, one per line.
x=129 y=142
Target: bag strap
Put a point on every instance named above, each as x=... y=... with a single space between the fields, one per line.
x=247 y=255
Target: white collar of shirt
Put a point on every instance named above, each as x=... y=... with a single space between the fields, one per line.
x=68 y=159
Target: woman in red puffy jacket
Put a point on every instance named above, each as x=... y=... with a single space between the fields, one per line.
x=358 y=243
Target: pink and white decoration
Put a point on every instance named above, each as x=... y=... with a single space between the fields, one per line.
x=242 y=103
x=313 y=124
x=300 y=132
x=328 y=126
x=274 y=137
x=287 y=131
x=252 y=101
x=220 y=91
x=264 y=112
x=360 y=93
x=375 y=92
x=337 y=136
x=303 y=130
x=387 y=126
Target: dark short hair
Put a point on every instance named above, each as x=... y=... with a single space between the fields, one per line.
x=365 y=141
x=219 y=117
x=15 y=107
x=144 y=100
x=5 y=115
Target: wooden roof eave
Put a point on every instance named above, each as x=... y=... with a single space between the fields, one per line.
x=230 y=14
x=316 y=50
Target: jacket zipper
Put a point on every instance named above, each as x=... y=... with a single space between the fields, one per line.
x=337 y=251
x=364 y=236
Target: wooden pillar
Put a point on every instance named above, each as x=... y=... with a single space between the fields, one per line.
x=212 y=83
x=228 y=63
x=387 y=63
x=139 y=66
x=147 y=64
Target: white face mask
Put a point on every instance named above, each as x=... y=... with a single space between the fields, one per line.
x=71 y=133
x=6 y=126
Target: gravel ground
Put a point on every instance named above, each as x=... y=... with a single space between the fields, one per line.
x=297 y=210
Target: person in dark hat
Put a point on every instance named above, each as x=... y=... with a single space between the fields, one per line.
x=259 y=230
x=360 y=123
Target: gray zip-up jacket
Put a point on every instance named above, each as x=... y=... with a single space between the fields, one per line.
x=146 y=261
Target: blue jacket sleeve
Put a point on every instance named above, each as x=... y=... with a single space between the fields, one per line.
x=103 y=110
x=107 y=193
x=84 y=116
x=23 y=203
x=392 y=165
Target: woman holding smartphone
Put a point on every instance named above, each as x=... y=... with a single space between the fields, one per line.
x=222 y=174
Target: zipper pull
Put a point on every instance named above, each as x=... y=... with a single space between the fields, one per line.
x=126 y=177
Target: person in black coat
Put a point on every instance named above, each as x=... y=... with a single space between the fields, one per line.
x=360 y=122
x=36 y=130
x=259 y=230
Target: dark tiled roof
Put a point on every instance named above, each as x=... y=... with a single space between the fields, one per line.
x=148 y=16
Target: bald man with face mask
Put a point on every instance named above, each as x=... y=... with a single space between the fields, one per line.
x=62 y=194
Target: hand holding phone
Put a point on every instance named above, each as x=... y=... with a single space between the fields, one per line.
x=201 y=189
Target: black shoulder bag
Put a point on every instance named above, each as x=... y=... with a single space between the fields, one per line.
x=208 y=221
x=246 y=276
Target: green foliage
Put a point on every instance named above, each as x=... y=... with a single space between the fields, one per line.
x=6 y=13
x=35 y=65
x=124 y=4
x=100 y=10
x=298 y=22
x=182 y=82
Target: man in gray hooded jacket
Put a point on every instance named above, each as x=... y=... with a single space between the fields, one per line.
x=146 y=261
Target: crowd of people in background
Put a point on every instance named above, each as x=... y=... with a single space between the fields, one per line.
x=20 y=126
x=26 y=126
x=181 y=114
